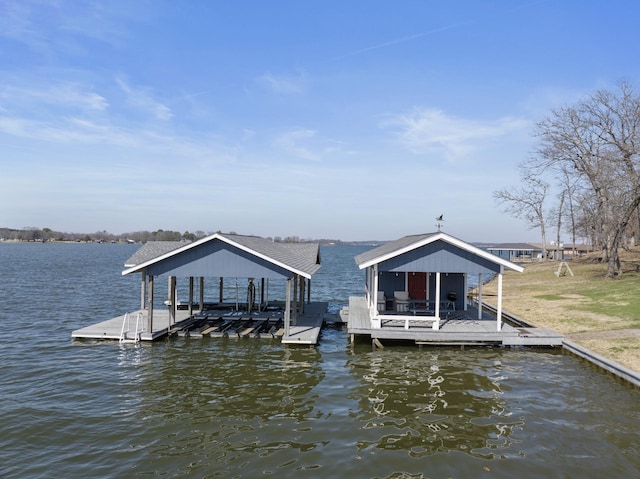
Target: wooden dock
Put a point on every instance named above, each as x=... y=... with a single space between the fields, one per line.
x=308 y=326
x=456 y=328
x=211 y=323
x=112 y=328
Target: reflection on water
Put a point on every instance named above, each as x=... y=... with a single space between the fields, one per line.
x=429 y=402
x=248 y=408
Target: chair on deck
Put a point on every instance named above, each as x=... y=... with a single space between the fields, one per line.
x=382 y=302
x=401 y=300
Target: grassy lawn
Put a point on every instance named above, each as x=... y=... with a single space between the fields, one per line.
x=598 y=313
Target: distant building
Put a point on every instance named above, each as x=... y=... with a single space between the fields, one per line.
x=516 y=252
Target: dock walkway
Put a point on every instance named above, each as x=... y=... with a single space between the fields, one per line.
x=308 y=326
x=213 y=323
x=456 y=328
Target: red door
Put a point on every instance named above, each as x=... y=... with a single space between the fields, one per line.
x=417 y=285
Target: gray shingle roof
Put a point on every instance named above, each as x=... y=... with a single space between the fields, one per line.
x=303 y=257
x=407 y=243
x=153 y=249
x=391 y=247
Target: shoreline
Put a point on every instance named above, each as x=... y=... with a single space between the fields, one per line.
x=568 y=345
x=597 y=316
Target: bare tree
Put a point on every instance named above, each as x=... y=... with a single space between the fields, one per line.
x=597 y=140
x=527 y=202
x=557 y=212
x=569 y=189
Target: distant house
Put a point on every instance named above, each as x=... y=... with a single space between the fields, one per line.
x=516 y=252
x=421 y=277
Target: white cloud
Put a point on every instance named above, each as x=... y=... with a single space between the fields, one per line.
x=284 y=84
x=142 y=100
x=296 y=143
x=65 y=94
x=306 y=144
x=427 y=130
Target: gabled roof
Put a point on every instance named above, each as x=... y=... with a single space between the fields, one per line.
x=151 y=250
x=409 y=243
x=299 y=258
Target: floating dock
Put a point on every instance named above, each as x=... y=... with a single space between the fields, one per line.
x=456 y=328
x=305 y=329
x=308 y=326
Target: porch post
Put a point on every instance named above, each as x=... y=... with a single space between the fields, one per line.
x=479 y=295
x=287 y=308
x=220 y=289
x=499 y=310
x=374 y=294
x=436 y=324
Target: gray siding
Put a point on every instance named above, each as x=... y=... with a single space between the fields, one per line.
x=390 y=282
x=441 y=257
x=451 y=282
x=217 y=259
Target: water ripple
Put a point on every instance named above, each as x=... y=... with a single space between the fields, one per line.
x=247 y=408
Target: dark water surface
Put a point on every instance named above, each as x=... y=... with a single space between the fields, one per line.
x=250 y=408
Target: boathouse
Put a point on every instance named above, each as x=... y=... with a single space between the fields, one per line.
x=516 y=252
x=417 y=288
x=209 y=267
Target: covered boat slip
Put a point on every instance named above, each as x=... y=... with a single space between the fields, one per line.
x=263 y=267
x=416 y=288
x=212 y=323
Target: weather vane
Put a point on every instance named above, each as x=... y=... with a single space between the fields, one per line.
x=440 y=220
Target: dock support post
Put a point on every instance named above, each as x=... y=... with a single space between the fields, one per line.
x=143 y=287
x=303 y=283
x=261 y=294
x=201 y=293
x=150 y=305
x=377 y=344
x=172 y=299
x=287 y=308
x=479 y=295
x=295 y=299
x=190 y=295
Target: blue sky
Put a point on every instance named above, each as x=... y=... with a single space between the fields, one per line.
x=321 y=119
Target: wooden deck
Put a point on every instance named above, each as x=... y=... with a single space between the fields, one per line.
x=456 y=328
x=308 y=326
x=214 y=323
x=112 y=328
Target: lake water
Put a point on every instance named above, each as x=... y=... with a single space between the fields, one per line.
x=253 y=408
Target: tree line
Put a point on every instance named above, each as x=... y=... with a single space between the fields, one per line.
x=36 y=234
x=32 y=233
x=584 y=177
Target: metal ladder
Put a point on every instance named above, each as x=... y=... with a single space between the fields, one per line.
x=126 y=323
